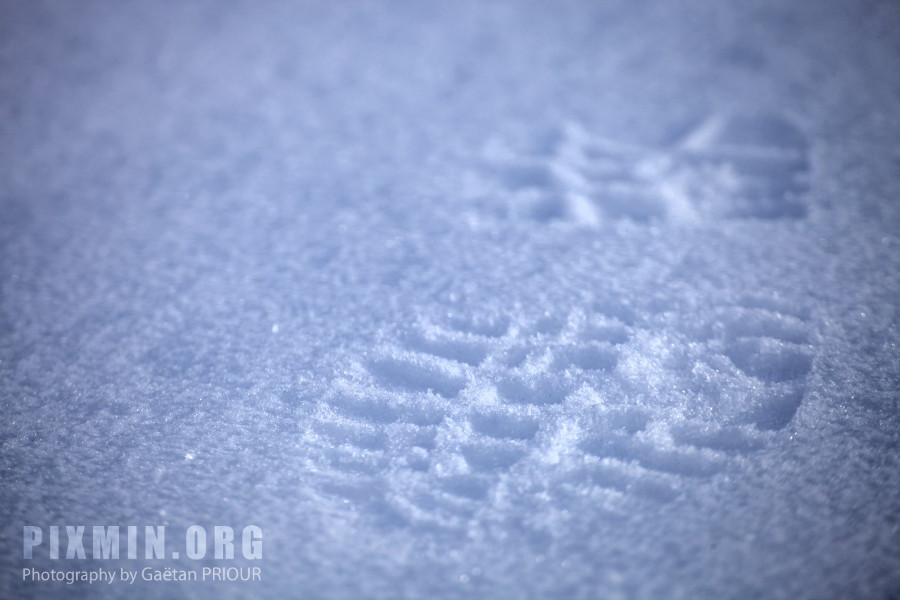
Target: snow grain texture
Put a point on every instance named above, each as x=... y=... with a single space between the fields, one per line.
x=461 y=408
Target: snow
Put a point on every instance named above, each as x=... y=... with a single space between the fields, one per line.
x=454 y=300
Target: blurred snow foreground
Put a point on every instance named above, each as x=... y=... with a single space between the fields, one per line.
x=454 y=300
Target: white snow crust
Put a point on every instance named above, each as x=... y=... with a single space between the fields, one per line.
x=570 y=300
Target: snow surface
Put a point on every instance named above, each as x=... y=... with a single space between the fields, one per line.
x=458 y=300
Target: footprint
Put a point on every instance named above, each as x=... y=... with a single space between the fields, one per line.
x=452 y=410
x=630 y=480
x=768 y=341
x=728 y=165
x=591 y=356
x=535 y=390
x=582 y=180
x=460 y=348
x=769 y=359
x=490 y=456
x=501 y=426
x=618 y=181
x=758 y=164
x=417 y=375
